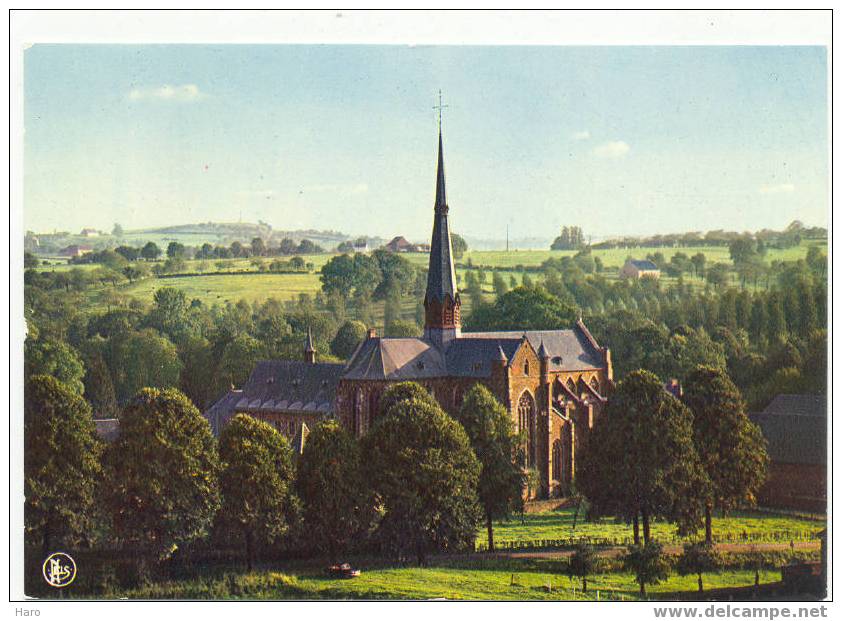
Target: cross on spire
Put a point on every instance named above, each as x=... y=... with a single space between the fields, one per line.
x=439 y=108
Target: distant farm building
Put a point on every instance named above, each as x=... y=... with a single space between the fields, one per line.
x=400 y=244
x=639 y=269
x=89 y=233
x=795 y=427
x=75 y=251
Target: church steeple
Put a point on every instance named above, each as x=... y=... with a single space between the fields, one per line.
x=441 y=303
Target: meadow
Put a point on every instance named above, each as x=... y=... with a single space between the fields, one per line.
x=474 y=581
x=559 y=524
x=254 y=286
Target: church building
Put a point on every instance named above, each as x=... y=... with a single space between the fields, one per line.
x=554 y=383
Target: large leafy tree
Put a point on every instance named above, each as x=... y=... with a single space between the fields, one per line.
x=237 y=361
x=494 y=441
x=640 y=460
x=256 y=482
x=523 y=308
x=732 y=448
x=56 y=359
x=330 y=483
x=349 y=275
x=425 y=474
x=347 y=338
x=397 y=274
x=162 y=473
x=61 y=463
x=142 y=359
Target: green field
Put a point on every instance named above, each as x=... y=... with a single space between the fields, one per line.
x=254 y=286
x=559 y=525
x=456 y=579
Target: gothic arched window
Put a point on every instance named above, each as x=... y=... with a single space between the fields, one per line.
x=526 y=368
x=595 y=384
x=527 y=424
x=557 y=460
x=571 y=385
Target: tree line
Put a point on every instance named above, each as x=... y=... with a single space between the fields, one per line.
x=418 y=482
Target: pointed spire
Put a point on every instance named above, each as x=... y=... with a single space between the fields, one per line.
x=441 y=277
x=441 y=193
x=501 y=355
x=309 y=348
x=542 y=352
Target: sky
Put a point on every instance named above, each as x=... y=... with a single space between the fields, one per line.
x=616 y=140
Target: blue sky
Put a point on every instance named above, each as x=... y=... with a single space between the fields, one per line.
x=617 y=140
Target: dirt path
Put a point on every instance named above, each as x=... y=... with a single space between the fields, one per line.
x=670 y=549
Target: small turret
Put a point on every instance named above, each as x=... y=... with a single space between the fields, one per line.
x=501 y=356
x=542 y=352
x=309 y=349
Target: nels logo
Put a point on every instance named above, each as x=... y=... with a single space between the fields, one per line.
x=59 y=570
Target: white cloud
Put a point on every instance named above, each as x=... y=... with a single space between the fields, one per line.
x=612 y=149
x=167 y=92
x=778 y=188
x=582 y=135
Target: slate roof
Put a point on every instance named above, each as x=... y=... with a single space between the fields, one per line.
x=470 y=355
x=290 y=386
x=441 y=277
x=795 y=427
x=223 y=410
x=643 y=264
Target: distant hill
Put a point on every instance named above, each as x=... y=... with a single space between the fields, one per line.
x=215 y=233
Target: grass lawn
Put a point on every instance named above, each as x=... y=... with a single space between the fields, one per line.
x=465 y=580
x=559 y=525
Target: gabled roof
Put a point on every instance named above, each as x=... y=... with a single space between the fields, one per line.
x=395 y=358
x=223 y=410
x=470 y=355
x=287 y=385
x=795 y=427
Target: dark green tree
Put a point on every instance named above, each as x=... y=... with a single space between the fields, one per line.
x=421 y=466
x=731 y=447
x=256 y=482
x=648 y=565
x=162 y=473
x=349 y=335
x=489 y=427
x=697 y=559
x=458 y=245
x=640 y=460
x=150 y=251
x=583 y=563
x=523 y=308
x=56 y=359
x=335 y=501
x=61 y=464
x=142 y=359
